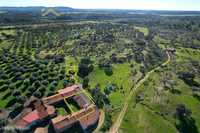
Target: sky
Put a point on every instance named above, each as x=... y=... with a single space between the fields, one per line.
x=110 y=4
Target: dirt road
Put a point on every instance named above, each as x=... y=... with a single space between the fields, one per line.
x=116 y=125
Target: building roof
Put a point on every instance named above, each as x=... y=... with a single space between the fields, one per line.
x=68 y=89
x=22 y=123
x=41 y=130
x=63 y=121
x=59 y=122
x=32 y=116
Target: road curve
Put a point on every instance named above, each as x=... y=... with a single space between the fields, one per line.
x=114 y=128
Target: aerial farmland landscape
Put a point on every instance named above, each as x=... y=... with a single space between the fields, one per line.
x=99 y=67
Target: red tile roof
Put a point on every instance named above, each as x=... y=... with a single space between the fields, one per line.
x=22 y=123
x=32 y=116
x=68 y=89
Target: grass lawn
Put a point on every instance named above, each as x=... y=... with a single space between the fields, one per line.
x=61 y=111
x=142 y=120
x=120 y=77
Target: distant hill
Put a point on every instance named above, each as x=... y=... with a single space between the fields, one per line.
x=50 y=11
x=35 y=9
x=39 y=9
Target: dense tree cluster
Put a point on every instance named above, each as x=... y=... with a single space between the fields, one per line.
x=85 y=67
x=99 y=97
x=185 y=122
x=22 y=76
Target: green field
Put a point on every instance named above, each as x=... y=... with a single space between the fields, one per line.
x=155 y=113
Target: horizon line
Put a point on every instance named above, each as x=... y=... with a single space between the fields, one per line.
x=105 y=8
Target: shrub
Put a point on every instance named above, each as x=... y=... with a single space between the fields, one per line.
x=4 y=88
x=108 y=71
x=27 y=82
x=196 y=95
x=37 y=84
x=2 y=82
x=108 y=122
x=85 y=67
x=61 y=76
x=12 y=86
x=45 y=82
x=32 y=89
x=65 y=83
x=52 y=87
x=28 y=93
x=11 y=103
x=21 y=99
x=16 y=93
x=16 y=111
x=37 y=94
x=50 y=93
x=85 y=82
x=7 y=95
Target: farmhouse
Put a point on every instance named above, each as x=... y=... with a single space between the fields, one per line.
x=37 y=111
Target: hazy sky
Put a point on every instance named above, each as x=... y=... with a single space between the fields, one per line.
x=113 y=4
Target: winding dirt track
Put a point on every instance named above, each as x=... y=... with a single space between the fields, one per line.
x=114 y=128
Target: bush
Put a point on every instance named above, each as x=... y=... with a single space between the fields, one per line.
x=3 y=123
x=12 y=86
x=52 y=87
x=21 y=99
x=16 y=93
x=72 y=72
x=61 y=76
x=108 y=71
x=65 y=83
x=37 y=94
x=32 y=89
x=37 y=84
x=18 y=84
x=42 y=89
x=3 y=88
x=7 y=95
x=16 y=111
x=85 y=67
x=108 y=122
x=45 y=82
x=2 y=82
x=11 y=103
x=196 y=95
x=28 y=93
x=50 y=93
x=27 y=82
x=185 y=123
x=32 y=79
x=85 y=82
